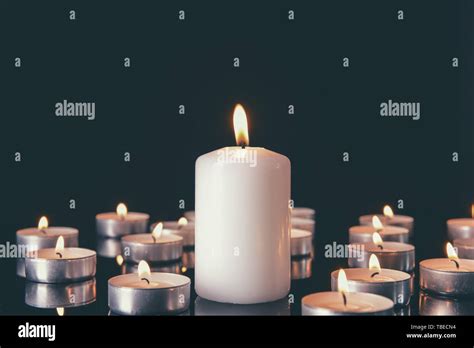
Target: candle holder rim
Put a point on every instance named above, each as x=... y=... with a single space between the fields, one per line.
x=115 y=217
x=177 y=239
x=394 y=229
x=32 y=231
x=405 y=274
x=409 y=218
x=93 y=253
x=446 y=271
x=385 y=252
x=388 y=302
x=128 y=288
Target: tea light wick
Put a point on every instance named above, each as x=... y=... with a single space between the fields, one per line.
x=455 y=262
x=146 y=279
x=60 y=255
x=344 y=299
x=374 y=274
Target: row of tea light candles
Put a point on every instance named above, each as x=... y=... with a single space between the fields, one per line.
x=384 y=243
x=55 y=257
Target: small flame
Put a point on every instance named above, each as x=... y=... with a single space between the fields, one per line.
x=240 y=126
x=452 y=255
x=60 y=245
x=119 y=260
x=143 y=270
x=377 y=239
x=122 y=210
x=60 y=311
x=43 y=223
x=342 y=285
x=374 y=264
x=157 y=231
x=183 y=269
x=377 y=223
x=388 y=212
x=182 y=221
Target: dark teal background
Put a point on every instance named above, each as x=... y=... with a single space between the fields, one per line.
x=191 y=63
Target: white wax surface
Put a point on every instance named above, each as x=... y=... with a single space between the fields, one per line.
x=357 y=302
x=297 y=233
x=387 y=230
x=130 y=217
x=146 y=238
x=157 y=281
x=395 y=220
x=384 y=276
x=461 y=222
x=242 y=236
x=50 y=232
x=388 y=247
x=67 y=254
x=445 y=265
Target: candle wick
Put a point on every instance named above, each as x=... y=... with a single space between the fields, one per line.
x=344 y=298
x=154 y=239
x=60 y=255
x=380 y=246
x=455 y=262
x=43 y=230
x=242 y=145
x=146 y=280
x=374 y=274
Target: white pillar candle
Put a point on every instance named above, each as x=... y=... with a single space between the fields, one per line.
x=121 y=223
x=363 y=233
x=462 y=228
x=242 y=222
x=389 y=218
x=343 y=302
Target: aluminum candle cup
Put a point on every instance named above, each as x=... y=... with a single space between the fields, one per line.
x=303 y=224
x=301 y=242
x=358 y=303
x=465 y=248
x=301 y=268
x=161 y=293
x=442 y=276
x=394 y=255
x=109 y=247
x=143 y=246
x=301 y=212
x=114 y=225
x=43 y=295
x=204 y=307
x=188 y=258
x=393 y=284
x=397 y=220
x=363 y=234
x=42 y=238
x=460 y=228
x=432 y=305
x=74 y=264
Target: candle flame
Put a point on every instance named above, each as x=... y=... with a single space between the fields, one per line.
x=143 y=270
x=388 y=212
x=240 y=126
x=43 y=223
x=182 y=221
x=122 y=210
x=342 y=285
x=374 y=264
x=119 y=260
x=377 y=239
x=377 y=223
x=157 y=231
x=452 y=255
x=183 y=269
x=60 y=245
x=60 y=311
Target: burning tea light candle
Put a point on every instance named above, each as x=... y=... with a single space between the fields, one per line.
x=363 y=234
x=389 y=218
x=301 y=242
x=182 y=228
x=390 y=283
x=60 y=264
x=450 y=276
x=121 y=222
x=304 y=213
x=160 y=245
x=148 y=293
x=43 y=237
x=242 y=222
x=393 y=255
x=465 y=248
x=462 y=228
x=344 y=302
